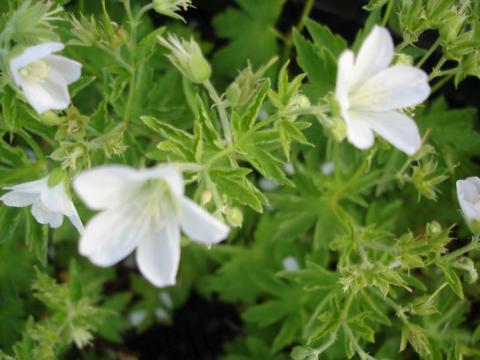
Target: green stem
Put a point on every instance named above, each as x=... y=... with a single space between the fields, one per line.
x=144 y=10
x=131 y=93
x=441 y=82
x=430 y=51
x=475 y=244
x=33 y=145
x=307 y=9
x=388 y=13
x=437 y=69
x=222 y=113
x=363 y=355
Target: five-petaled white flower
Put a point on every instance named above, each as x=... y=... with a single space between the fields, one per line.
x=142 y=210
x=370 y=94
x=49 y=204
x=468 y=193
x=44 y=77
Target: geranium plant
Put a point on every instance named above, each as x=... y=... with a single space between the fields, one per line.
x=321 y=182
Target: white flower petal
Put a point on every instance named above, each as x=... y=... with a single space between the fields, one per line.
x=113 y=234
x=344 y=75
x=31 y=54
x=397 y=87
x=45 y=216
x=31 y=187
x=468 y=193
x=158 y=255
x=395 y=127
x=469 y=188
x=358 y=132
x=50 y=94
x=69 y=69
x=18 y=199
x=77 y=222
x=56 y=199
x=105 y=187
x=199 y=225
x=374 y=56
x=168 y=173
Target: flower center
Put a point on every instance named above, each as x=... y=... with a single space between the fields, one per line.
x=36 y=71
x=155 y=199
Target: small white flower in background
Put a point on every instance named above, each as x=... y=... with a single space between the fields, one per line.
x=290 y=264
x=468 y=193
x=327 y=168
x=370 y=94
x=44 y=77
x=49 y=204
x=137 y=317
x=142 y=210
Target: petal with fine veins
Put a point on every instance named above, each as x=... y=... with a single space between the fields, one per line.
x=106 y=186
x=199 y=225
x=46 y=216
x=168 y=173
x=374 y=56
x=344 y=74
x=395 y=127
x=113 y=234
x=56 y=199
x=69 y=69
x=31 y=54
x=18 y=199
x=397 y=87
x=158 y=255
x=50 y=94
x=358 y=132
x=31 y=187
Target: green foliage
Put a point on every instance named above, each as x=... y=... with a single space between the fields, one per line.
x=334 y=252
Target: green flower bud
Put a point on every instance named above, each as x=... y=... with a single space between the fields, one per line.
x=187 y=57
x=50 y=118
x=171 y=7
x=234 y=217
x=299 y=101
x=56 y=176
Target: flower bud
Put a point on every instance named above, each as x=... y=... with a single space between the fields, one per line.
x=50 y=118
x=171 y=7
x=206 y=197
x=187 y=57
x=234 y=216
x=299 y=101
x=56 y=176
x=468 y=193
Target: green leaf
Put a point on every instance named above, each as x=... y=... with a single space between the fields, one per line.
x=323 y=38
x=267 y=313
x=36 y=237
x=9 y=109
x=451 y=128
x=268 y=165
x=320 y=65
x=248 y=30
x=237 y=189
x=452 y=279
x=80 y=84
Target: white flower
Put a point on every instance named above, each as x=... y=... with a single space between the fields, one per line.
x=468 y=193
x=370 y=94
x=143 y=210
x=290 y=264
x=49 y=204
x=44 y=77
